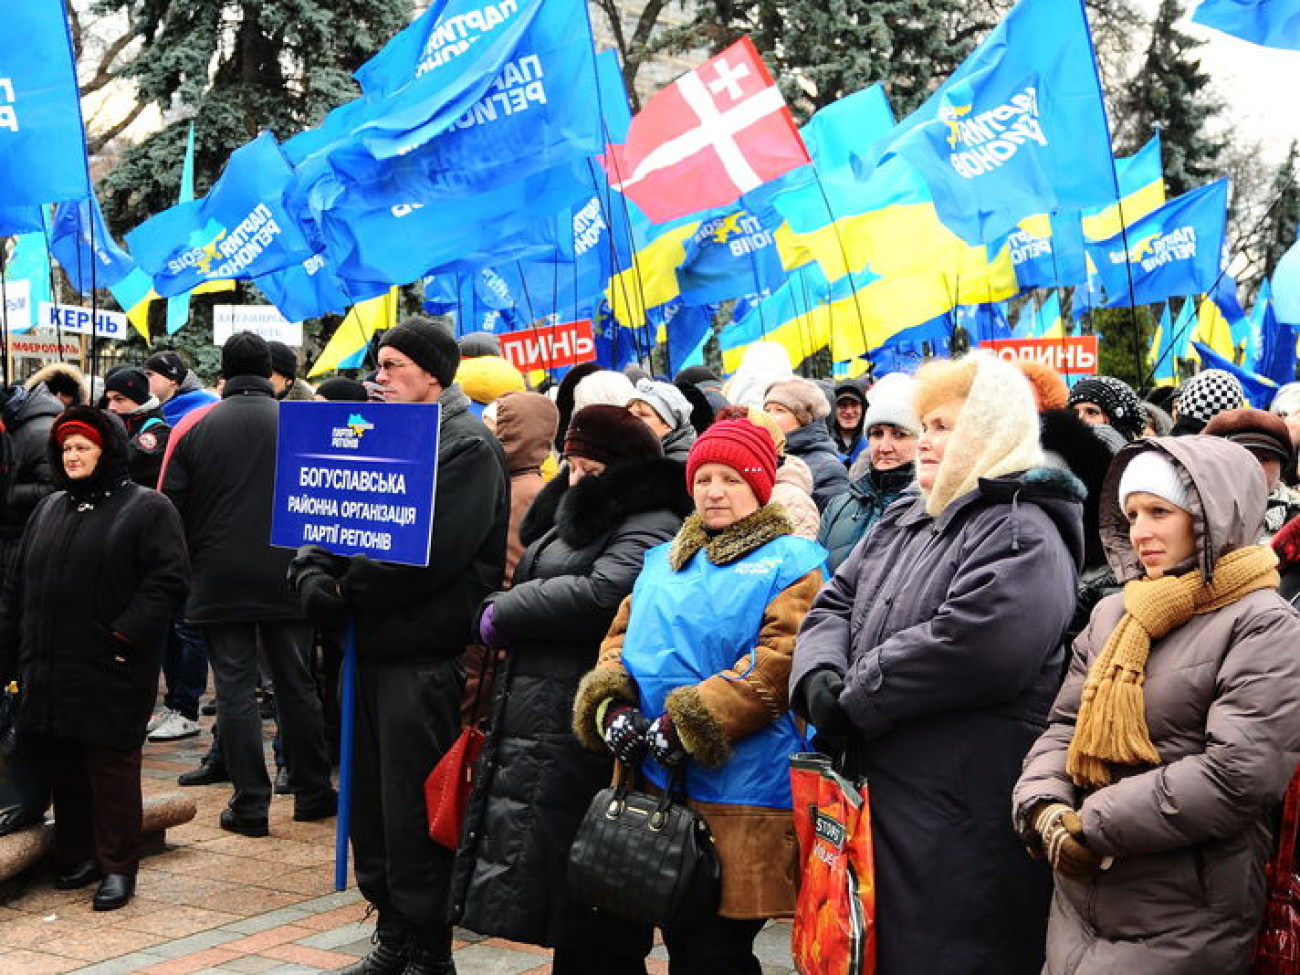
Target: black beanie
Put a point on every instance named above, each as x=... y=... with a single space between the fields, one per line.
x=428 y=346
x=129 y=382
x=245 y=354
x=168 y=364
x=340 y=389
x=283 y=359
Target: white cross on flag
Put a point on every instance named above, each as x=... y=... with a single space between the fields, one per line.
x=707 y=138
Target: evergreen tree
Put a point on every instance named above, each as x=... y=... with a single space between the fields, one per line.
x=1171 y=92
x=235 y=67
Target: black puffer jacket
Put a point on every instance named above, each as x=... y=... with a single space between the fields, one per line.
x=28 y=415
x=415 y=613
x=535 y=780
x=221 y=477
x=100 y=557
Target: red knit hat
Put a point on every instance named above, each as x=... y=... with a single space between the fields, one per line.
x=745 y=447
x=64 y=430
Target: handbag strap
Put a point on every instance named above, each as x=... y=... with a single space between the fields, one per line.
x=1290 y=827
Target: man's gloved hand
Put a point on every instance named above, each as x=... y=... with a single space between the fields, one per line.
x=313 y=560
x=322 y=601
x=1061 y=831
x=665 y=744
x=821 y=694
x=624 y=729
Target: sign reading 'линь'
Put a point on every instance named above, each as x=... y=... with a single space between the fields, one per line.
x=357 y=478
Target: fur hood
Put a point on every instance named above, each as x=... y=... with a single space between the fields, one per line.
x=109 y=473
x=62 y=369
x=996 y=433
x=599 y=503
x=1087 y=457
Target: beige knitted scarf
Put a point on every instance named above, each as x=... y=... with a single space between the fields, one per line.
x=1111 y=728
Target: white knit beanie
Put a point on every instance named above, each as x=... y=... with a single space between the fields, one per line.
x=607 y=388
x=1153 y=473
x=892 y=400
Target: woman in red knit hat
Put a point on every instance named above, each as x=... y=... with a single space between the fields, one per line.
x=707 y=691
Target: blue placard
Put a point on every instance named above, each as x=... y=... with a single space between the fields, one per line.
x=357 y=478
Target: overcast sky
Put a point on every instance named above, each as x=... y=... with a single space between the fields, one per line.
x=1260 y=85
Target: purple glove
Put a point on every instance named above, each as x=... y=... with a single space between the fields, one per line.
x=488 y=634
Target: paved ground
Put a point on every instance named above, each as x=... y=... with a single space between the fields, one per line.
x=216 y=902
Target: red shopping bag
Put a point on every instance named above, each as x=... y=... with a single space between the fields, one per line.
x=1277 y=949
x=835 y=915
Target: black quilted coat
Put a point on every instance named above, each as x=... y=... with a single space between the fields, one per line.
x=535 y=780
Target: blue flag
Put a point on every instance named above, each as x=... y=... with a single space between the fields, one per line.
x=1286 y=287
x=1277 y=358
x=1269 y=23
x=241 y=229
x=1047 y=251
x=688 y=328
x=906 y=350
x=1175 y=250
x=81 y=243
x=848 y=130
x=313 y=288
x=42 y=139
x=1259 y=390
x=20 y=220
x=728 y=256
x=407 y=56
x=1018 y=129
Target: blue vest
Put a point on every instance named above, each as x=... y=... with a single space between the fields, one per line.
x=690 y=625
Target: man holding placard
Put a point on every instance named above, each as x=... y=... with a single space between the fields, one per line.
x=412 y=625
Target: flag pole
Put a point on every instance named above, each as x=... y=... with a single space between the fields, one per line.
x=844 y=253
x=4 y=314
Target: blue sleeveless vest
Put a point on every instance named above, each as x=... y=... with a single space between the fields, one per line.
x=689 y=625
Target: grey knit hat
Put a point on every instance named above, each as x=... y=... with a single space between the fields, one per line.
x=666 y=400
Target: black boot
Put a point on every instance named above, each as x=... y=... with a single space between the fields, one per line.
x=392 y=941
x=430 y=952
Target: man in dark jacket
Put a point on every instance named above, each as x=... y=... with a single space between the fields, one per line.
x=175 y=385
x=412 y=625
x=28 y=415
x=221 y=477
x=126 y=393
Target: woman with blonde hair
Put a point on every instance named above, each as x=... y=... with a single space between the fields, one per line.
x=929 y=664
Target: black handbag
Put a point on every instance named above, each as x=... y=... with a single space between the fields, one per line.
x=644 y=857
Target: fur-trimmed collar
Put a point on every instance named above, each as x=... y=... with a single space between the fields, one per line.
x=733 y=542
x=596 y=505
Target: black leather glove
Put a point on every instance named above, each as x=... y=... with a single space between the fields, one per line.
x=624 y=729
x=313 y=560
x=322 y=601
x=821 y=694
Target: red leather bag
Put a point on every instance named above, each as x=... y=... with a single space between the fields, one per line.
x=1277 y=949
x=447 y=788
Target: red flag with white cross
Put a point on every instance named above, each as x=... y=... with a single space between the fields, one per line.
x=712 y=135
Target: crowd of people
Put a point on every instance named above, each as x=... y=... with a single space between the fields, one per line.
x=1050 y=626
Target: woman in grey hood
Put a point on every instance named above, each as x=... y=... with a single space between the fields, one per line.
x=1151 y=792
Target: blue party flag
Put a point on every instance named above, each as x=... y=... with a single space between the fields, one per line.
x=81 y=243
x=1019 y=128
x=1258 y=389
x=1174 y=250
x=42 y=139
x=241 y=229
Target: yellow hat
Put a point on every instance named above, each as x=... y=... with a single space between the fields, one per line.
x=486 y=377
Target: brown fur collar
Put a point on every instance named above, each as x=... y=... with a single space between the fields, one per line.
x=733 y=542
